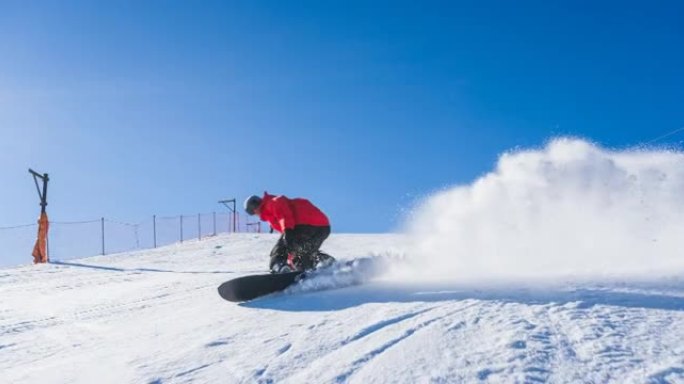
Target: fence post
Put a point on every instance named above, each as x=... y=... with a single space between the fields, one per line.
x=214 y=214
x=181 y=228
x=199 y=226
x=103 y=236
x=154 y=229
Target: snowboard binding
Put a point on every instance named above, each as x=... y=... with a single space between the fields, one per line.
x=294 y=264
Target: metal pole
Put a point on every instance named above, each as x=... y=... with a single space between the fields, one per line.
x=42 y=194
x=41 y=253
x=234 y=217
x=181 y=227
x=199 y=226
x=214 y=214
x=154 y=229
x=103 y=236
x=227 y=204
x=45 y=185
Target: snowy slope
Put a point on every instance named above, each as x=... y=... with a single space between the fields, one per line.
x=155 y=317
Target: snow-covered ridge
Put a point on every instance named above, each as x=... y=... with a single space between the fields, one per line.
x=155 y=317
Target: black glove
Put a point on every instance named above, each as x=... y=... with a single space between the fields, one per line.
x=278 y=265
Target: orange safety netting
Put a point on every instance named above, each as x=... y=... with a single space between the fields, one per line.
x=40 y=249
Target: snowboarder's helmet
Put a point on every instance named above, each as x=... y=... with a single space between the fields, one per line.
x=252 y=203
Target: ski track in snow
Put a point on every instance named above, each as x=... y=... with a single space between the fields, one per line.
x=155 y=317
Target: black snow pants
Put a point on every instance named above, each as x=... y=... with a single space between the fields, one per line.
x=304 y=244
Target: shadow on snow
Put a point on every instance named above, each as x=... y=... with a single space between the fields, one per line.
x=116 y=269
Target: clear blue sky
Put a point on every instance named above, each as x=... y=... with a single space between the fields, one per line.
x=144 y=107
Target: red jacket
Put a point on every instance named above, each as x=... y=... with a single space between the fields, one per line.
x=283 y=213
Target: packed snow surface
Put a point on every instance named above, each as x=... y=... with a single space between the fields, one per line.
x=155 y=317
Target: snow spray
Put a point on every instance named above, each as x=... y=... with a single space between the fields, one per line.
x=569 y=209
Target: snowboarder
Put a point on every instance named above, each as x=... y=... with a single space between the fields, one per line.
x=304 y=227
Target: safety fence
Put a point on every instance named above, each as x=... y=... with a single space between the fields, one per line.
x=74 y=239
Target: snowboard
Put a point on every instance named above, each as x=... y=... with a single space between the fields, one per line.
x=246 y=288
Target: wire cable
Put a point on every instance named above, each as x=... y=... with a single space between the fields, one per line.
x=664 y=136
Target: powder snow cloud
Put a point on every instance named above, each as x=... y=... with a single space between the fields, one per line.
x=571 y=208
